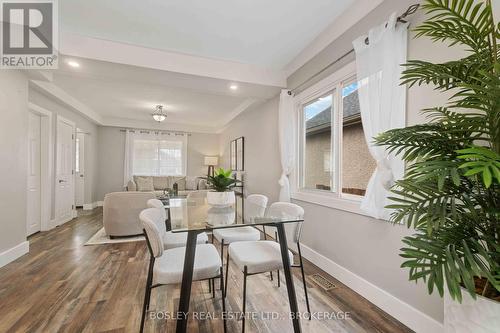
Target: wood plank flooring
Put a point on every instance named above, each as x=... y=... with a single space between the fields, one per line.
x=64 y=286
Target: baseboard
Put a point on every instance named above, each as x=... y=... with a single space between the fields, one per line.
x=100 y=203
x=90 y=206
x=13 y=253
x=405 y=313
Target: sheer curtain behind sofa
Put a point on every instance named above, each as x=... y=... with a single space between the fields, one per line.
x=154 y=154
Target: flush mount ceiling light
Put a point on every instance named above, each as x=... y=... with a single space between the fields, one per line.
x=159 y=115
x=73 y=64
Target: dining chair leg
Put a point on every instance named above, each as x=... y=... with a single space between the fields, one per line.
x=292 y=297
x=304 y=280
x=278 y=273
x=147 y=292
x=222 y=258
x=209 y=285
x=223 y=299
x=213 y=288
x=227 y=272
x=244 y=299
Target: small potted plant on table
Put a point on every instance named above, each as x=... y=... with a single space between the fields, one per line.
x=221 y=183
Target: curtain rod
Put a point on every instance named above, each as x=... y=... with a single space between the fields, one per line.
x=401 y=19
x=154 y=131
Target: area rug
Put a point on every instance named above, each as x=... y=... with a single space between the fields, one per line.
x=100 y=237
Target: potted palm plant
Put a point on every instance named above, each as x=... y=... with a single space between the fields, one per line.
x=221 y=184
x=450 y=193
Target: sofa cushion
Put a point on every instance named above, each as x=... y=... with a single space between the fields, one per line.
x=181 y=184
x=161 y=182
x=191 y=183
x=144 y=184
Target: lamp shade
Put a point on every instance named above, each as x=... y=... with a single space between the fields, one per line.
x=211 y=160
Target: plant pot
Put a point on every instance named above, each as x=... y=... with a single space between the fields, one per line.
x=221 y=199
x=479 y=316
x=221 y=216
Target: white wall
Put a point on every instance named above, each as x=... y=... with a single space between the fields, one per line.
x=111 y=153
x=262 y=166
x=13 y=165
x=91 y=139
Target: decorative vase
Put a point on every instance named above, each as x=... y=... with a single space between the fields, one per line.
x=479 y=316
x=221 y=199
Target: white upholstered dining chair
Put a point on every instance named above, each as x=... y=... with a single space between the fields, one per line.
x=166 y=266
x=255 y=207
x=256 y=257
x=172 y=240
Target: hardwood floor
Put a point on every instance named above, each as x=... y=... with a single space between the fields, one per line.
x=64 y=286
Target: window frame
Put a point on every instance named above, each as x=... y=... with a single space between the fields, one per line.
x=334 y=198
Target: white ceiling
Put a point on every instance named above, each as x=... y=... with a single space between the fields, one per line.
x=121 y=92
x=268 y=33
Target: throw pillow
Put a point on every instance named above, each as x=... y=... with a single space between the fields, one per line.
x=181 y=184
x=161 y=182
x=144 y=184
x=175 y=179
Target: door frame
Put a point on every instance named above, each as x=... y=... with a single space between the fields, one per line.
x=73 y=125
x=84 y=134
x=46 y=164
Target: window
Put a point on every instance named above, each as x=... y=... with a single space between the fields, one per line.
x=158 y=157
x=334 y=156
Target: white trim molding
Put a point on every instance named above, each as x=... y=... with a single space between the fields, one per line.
x=47 y=163
x=90 y=206
x=13 y=253
x=100 y=203
x=405 y=313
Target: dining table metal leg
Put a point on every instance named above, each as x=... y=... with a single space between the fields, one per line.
x=187 y=280
x=292 y=298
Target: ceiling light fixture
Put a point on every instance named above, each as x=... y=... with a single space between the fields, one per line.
x=73 y=64
x=159 y=115
x=233 y=87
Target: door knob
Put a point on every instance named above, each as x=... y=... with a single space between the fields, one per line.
x=61 y=181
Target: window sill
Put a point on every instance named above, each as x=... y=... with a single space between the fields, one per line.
x=350 y=203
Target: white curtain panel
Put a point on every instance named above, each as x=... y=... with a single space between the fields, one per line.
x=127 y=162
x=286 y=128
x=155 y=154
x=383 y=105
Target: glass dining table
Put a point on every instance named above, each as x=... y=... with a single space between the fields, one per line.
x=194 y=215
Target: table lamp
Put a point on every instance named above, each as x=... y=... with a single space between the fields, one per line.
x=211 y=162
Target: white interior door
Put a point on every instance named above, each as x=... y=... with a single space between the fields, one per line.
x=80 y=170
x=33 y=215
x=65 y=193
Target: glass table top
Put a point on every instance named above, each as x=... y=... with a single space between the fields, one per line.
x=196 y=214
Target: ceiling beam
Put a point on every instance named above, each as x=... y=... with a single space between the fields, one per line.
x=93 y=48
x=49 y=88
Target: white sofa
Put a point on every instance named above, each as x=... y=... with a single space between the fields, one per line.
x=121 y=212
x=158 y=184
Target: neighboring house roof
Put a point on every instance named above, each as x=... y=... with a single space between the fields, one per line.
x=324 y=118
